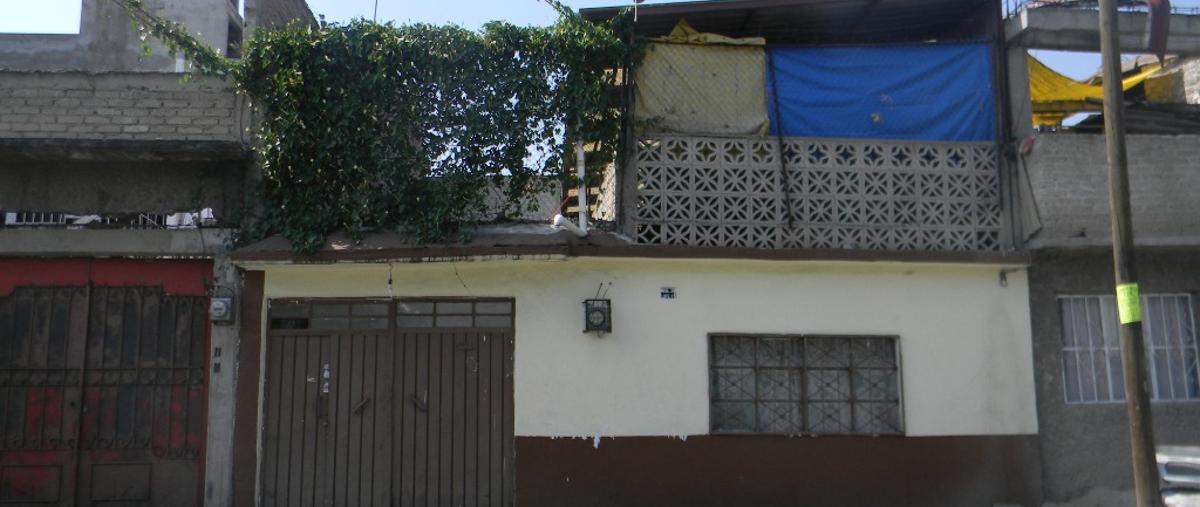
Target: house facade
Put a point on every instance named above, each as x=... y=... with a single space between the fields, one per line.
x=1064 y=225
x=796 y=297
x=836 y=265
x=119 y=184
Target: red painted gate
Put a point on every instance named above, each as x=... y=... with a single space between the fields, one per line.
x=102 y=381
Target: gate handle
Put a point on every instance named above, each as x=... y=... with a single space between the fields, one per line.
x=361 y=405
x=422 y=404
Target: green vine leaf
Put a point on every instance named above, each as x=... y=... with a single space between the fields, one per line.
x=367 y=126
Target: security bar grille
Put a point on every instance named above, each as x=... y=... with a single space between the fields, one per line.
x=804 y=384
x=1091 y=349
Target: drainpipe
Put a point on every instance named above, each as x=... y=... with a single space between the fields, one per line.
x=580 y=162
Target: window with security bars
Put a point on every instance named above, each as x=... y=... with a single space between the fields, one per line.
x=788 y=384
x=1092 y=370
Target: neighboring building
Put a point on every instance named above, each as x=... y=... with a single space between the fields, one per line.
x=872 y=348
x=1063 y=192
x=119 y=184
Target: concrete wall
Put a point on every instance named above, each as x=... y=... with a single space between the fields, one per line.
x=124 y=186
x=58 y=130
x=135 y=106
x=1068 y=178
x=964 y=338
x=1079 y=30
x=274 y=13
x=1179 y=84
x=107 y=41
x=1085 y=448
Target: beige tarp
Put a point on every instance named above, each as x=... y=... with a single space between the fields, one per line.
x=703 y=84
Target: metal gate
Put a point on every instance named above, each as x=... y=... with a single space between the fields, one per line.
x=405 y=402
x=101 y=396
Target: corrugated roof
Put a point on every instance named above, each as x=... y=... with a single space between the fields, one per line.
x=819 y=21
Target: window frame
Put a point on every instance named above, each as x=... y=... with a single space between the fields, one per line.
x=803 y=402
x=1147 y=328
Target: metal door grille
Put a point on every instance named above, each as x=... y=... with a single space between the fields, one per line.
x=101 y=395
x=410 y=404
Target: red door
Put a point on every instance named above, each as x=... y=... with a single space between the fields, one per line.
x=102 y=383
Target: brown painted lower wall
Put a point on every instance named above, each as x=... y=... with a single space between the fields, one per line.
x=764 y=471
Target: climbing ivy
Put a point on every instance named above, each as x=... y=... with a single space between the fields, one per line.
x=366 y=126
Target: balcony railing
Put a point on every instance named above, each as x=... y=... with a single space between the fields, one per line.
x=1012 y=7
x=826 y=194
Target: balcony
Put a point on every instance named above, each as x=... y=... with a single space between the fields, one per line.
x=824 y=194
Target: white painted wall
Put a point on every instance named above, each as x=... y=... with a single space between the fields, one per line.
x=964 y=340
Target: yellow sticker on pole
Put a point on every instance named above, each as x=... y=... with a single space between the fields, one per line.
x=1129 y=304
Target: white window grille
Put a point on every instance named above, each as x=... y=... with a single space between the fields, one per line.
x=1092 y=370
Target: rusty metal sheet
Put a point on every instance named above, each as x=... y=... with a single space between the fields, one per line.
x=101 y=393
x=416 y=412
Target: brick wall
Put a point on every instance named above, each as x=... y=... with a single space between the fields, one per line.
x=1069 y=180
x=134 y=106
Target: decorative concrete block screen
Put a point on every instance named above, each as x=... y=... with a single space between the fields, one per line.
x=842 y=194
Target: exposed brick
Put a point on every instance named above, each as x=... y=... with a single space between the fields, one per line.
x=1068 y=177
x=116 y=106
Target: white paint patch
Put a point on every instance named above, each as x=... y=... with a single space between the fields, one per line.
x=965 y=343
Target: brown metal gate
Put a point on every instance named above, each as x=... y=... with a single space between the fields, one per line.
x=101 y=396
x=405 y=402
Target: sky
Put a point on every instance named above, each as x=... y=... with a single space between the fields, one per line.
x=62 y=16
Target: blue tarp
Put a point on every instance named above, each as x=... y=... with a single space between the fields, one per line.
x=935 y=92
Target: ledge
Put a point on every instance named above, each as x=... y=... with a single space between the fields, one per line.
x=393 y=248
x=34 y=149
x=112 y=242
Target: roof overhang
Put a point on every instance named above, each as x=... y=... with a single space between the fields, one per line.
x=820 y=21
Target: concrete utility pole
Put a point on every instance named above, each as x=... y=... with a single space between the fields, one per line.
x=1133 y=350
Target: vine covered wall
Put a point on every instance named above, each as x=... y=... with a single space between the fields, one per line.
x=367 y=126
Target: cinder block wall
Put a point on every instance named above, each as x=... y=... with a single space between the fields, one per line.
x=275 y=13
x=1068 y=178
x=132 y=106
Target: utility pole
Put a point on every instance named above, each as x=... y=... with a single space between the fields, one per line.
x=1133 y=350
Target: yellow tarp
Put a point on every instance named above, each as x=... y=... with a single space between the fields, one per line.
x=1056 y=96
x=683 y=33
x=702 y=83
